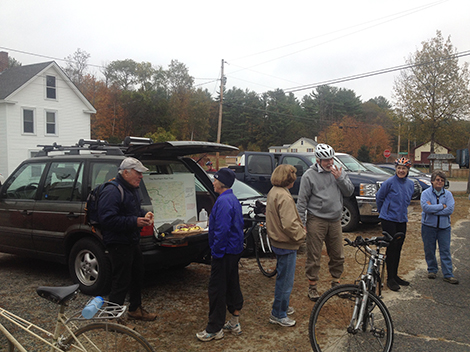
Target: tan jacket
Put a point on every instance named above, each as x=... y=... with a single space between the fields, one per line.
x=285 y=228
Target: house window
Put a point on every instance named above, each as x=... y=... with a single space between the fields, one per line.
x=51 y=123
x=310 y=150
x=294 y=150
x=28 y=121
x=50 y=87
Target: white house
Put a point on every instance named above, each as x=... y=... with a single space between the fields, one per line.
x=39 y=105
x=422 y=151
x=302 y=145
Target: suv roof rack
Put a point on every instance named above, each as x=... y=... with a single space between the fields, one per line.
x=92 y=146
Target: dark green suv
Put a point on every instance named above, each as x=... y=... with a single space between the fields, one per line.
x=42 y=206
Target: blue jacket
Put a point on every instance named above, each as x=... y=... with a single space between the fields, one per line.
x=434 y=212
x=118 y=219
x=393 y=199
x=226 y=226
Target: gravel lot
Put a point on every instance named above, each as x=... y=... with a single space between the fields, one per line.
x=180 y=296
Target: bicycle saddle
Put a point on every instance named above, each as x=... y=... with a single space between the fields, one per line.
x=58 y=295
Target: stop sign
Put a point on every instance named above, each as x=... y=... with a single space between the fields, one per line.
x=387 y=153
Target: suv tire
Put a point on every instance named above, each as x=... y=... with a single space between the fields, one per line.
x=350 y=217
x=90 y=267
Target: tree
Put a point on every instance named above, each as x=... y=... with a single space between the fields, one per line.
x=122 y=73
x=434 y=91
x=12 y=62
x=77 y=64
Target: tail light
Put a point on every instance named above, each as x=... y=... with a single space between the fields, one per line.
x=146 y=231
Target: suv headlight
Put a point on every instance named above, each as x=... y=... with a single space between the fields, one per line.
x=368 y=189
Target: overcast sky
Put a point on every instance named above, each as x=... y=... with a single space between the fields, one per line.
x=265 y=44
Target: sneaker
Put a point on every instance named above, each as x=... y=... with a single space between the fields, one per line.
x=207 y=336
x=281 y=321
x=335 y=283
x=392 y=284
x=290 y=310
x=451 y=280
x=141 y=314
x=402 y=282
x=432 y=276
x=234 y=329
x=313 y=293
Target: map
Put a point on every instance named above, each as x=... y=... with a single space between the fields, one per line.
x=173 y=197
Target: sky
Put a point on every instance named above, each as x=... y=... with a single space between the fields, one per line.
x=265 y=45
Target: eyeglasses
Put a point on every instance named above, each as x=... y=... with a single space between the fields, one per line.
x=439 y=180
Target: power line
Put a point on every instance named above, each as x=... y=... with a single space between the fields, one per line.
x=373 y=73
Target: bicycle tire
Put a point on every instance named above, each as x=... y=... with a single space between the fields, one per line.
x=265 y=257
x=331 y=317
x=108 y=337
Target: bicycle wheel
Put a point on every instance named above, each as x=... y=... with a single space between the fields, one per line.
x=330 y=326
x=264 y=255
x=109 y=337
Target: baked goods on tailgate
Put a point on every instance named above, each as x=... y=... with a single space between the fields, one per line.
x=183 y=229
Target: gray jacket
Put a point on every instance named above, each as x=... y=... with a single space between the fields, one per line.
x=320 y=194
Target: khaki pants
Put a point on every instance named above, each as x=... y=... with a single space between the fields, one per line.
x=319 y=231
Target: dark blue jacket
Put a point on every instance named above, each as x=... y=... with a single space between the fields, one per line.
x=118 y=219
x=226 y=226
x=393 y=199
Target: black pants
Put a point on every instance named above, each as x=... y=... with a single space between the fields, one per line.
x=224 y=291
x=127 y=274
x=394 y=248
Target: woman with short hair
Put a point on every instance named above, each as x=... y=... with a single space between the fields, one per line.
x=437 y=204
x=286 y=233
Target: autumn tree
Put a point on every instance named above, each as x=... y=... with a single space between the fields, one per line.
x=352 y=136
x=434 y=91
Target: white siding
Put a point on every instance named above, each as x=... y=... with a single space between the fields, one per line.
x=71 y=121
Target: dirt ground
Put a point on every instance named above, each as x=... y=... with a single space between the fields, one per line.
x=180 y=296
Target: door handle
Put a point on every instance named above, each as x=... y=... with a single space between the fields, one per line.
x=26 y=212
x=72 y=215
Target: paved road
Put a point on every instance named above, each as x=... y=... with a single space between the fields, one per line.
x=432 y=315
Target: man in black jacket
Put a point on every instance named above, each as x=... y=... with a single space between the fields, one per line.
x=121 y=219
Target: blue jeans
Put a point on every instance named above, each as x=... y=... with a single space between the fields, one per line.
x=430 y=236
x=284 y=283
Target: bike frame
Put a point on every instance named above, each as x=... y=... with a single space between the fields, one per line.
x=62 y=323
x=367 y=284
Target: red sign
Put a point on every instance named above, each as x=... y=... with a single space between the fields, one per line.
x=387 y=153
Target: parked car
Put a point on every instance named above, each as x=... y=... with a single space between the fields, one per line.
x=423 y=178
x=375 y=169
x=246 y=195
x=42 y=206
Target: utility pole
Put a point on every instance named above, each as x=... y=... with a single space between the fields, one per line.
x=219 y=128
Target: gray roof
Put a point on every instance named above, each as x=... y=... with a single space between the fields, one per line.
x=15 y=77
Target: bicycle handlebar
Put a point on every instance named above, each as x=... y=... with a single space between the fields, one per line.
x=383 y=241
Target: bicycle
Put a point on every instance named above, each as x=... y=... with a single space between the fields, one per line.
x=352 y=317
x=77 y=333
x=256 y=234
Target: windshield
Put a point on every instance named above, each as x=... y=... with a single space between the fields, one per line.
x=375 y=169
x=351 y=163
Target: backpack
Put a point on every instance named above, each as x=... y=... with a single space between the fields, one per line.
x=91 y=206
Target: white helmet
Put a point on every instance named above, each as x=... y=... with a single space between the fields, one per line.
x=324 y=151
